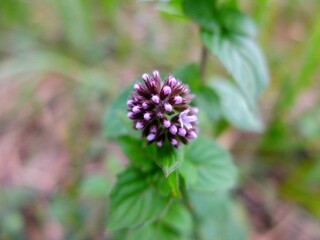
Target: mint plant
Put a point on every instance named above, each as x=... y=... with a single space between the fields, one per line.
x=178 y=182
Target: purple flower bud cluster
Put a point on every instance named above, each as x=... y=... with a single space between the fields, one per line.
x=162 y=111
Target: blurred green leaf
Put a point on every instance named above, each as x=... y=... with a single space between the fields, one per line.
x=234 y=21
x=202 y=12
x=208 y=167
x=189 y=74
x=96 y=186
x=243 y=60
x=171 y=7
x=134 y=201
x=235 y=108
x=205 y=98
x=302 y=186
x=304 y=76
x=76 y=22
x=219 y=217
x=208 y=102
x=116 y=122
x=175 y=224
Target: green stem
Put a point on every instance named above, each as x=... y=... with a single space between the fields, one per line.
x=203 y=63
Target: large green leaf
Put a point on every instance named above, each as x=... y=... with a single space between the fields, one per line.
x=202 y=12
x=135 y=200
x=219 y=217
x=208 y=102
x=175 y=224
x=235 y=108
x=116 y=122
x=208 y=167
x=234 y=21
x=140 y=155
x=243 y=60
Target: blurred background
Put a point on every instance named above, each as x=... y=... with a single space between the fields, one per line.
x=63 y=61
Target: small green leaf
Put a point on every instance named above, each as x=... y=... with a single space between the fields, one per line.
x=208 y=167
x=169 y=158
x=235 y=108
x=219 y=217
x=175 y=224
x=173 y=182
x=140 y=155
x=134 y=201
x=115 y=122
x=243 y=60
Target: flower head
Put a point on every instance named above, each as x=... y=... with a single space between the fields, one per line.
x=162 y=111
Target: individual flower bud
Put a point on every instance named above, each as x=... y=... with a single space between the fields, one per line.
x=167 y=90
x=173 y=129
x=182 y=132
x=136 y=109
x=168 y=107
x=130 y=115
x=139 y=125
x=156 y=75
x=145 y=105
x=147 y=116
x=130 y=103
x=166 y=123
x=151 y=137
x=177 y=99
x=174 y=142
x=161 y=110
x=155 y=99
x=160 y=143
x=192 y=135
x=146 y=77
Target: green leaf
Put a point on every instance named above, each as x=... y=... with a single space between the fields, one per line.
x=206 y=99
x=135 y=200
x=208 y=167
x=189 y=74
x=175 y=224
x=169 y=158
x=243 y=60
x=171 y=7
x=115 y=122
x=234 y=21
x=140 y=155
x=80 y=34
x=173 y=182
x=96 y=186
x=202 y=12
x=219 y=217
x=208 y=102
x=235 y=108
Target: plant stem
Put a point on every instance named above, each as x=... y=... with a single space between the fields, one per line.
x=203 y=63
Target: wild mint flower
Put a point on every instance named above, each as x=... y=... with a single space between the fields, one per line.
x=161 y=110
